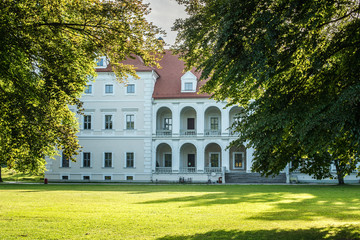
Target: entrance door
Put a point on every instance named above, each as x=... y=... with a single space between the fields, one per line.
x=191 y=160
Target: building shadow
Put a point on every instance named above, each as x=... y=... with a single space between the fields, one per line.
x=340 y=233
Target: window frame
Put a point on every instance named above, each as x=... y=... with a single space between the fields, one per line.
x=218 y=160
x=87 y=88
x=108 y=125
x=164 y=157
x=132 y=123
x=105 y=164
x=133 y=88
x=127 y=160
x=62 y=161
x=243 y=160
x=217 y=123
x=106 y=88
x=83 y=160
x=167 y=124
x=86 y=122
x=187 y=88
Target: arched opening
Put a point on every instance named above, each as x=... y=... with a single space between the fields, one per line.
x=163 y=158
x=188 y=158
x=164 y=122
x=188 y=121
x=213 y=158
x=237 y=158
x=234 y=117
x=212 y=121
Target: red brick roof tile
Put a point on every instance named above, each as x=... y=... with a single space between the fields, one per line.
x=168 y=85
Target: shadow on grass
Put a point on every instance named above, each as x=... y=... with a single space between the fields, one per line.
x=285 y=202
x=344 y=233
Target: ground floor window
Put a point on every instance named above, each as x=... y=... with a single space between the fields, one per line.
x=167 y=159
x=86 y=159
x=107 y=178
x=108 y=159
x=86 y=177
x=214 y=159
x=129 y=159
x=238 y=160
x=65 y=161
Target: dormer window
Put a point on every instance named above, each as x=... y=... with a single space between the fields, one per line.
x=101 y=62
x=188 y=86
x=188 y=82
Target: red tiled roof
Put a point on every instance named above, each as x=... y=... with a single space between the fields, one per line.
x=168 y=85
x=134 y=60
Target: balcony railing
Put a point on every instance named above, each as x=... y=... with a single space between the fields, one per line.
x=163 y=133
x=209 y=132
x=188 y=170
x=163 y=170
x=188 y=133
x=213 y=169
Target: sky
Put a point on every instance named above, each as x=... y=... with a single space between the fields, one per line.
x=163 y=14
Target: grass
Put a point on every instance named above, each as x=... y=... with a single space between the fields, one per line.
x=10 y=175
x=169 y=212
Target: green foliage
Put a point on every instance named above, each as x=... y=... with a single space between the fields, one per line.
x=47 y=52
x=65 y=211
x=295 y=68
x=11 y=175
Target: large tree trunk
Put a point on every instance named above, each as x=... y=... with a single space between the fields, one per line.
x=0 y=175
x=339 y=173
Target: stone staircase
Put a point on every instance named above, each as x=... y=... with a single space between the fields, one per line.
x=243 y=177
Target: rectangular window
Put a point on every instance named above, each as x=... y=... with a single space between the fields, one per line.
x=65 y=161
x=88 y=89
x=108 y=122
x=65 y=177
x=130 y=121
x=167 y=124
x=167 y=159
x=129 y=159
x=109 y=88
x=214 y=123
x=214 y=159
x=239 y=160
x=188 y=86
x=107 y=178
x=129 y=178
x=108 y=159
x=86 y=159
x=100 y=62
x=191 y=123
x=87 y=121
x=130 y=88
x=86 y=177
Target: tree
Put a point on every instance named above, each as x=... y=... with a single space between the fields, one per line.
x=295 y=68
x=47 y=56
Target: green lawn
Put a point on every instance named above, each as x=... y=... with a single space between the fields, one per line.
x=30 y=211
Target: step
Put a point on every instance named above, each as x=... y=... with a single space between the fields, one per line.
x=242 y=177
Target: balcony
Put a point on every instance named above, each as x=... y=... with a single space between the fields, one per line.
x=163 y=133
x=188 y=133
x=163 y=170
x=212 y=169
x=209 y=132
x=188 y=170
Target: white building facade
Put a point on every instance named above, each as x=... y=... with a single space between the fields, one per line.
x=157 y=128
